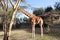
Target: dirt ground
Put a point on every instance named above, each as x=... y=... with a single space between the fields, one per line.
x=25 y=34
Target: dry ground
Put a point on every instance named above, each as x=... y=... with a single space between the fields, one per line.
x=25 y=34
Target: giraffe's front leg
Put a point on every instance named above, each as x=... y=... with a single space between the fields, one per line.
x=33 y=29
x=41 y=25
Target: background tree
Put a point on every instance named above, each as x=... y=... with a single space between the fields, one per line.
x=57 y=6
x=48 y=9
x=25 y=19
x=38 y=12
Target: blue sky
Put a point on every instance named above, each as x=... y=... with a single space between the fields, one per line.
x=39 y=4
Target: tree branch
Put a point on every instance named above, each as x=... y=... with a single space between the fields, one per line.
x=11 y=3
x=17 y=2
x=2 y=5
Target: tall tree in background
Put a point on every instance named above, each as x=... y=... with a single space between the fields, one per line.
x=57 y=6
x=38 y=12
x=48 y=9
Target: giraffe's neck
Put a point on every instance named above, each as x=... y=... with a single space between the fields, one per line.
x=26 y=13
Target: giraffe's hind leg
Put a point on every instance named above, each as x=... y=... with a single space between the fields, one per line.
x=33 y=29
x=41 y=25
x=41 y=30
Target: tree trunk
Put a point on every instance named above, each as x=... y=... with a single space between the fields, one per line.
x=7 y=28
x=13 y=16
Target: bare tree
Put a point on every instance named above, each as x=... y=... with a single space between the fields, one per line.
x=7 y=27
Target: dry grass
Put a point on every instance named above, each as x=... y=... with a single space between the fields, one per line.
x=25 y=34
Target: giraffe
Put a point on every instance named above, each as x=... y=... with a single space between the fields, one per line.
x=34 y=20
